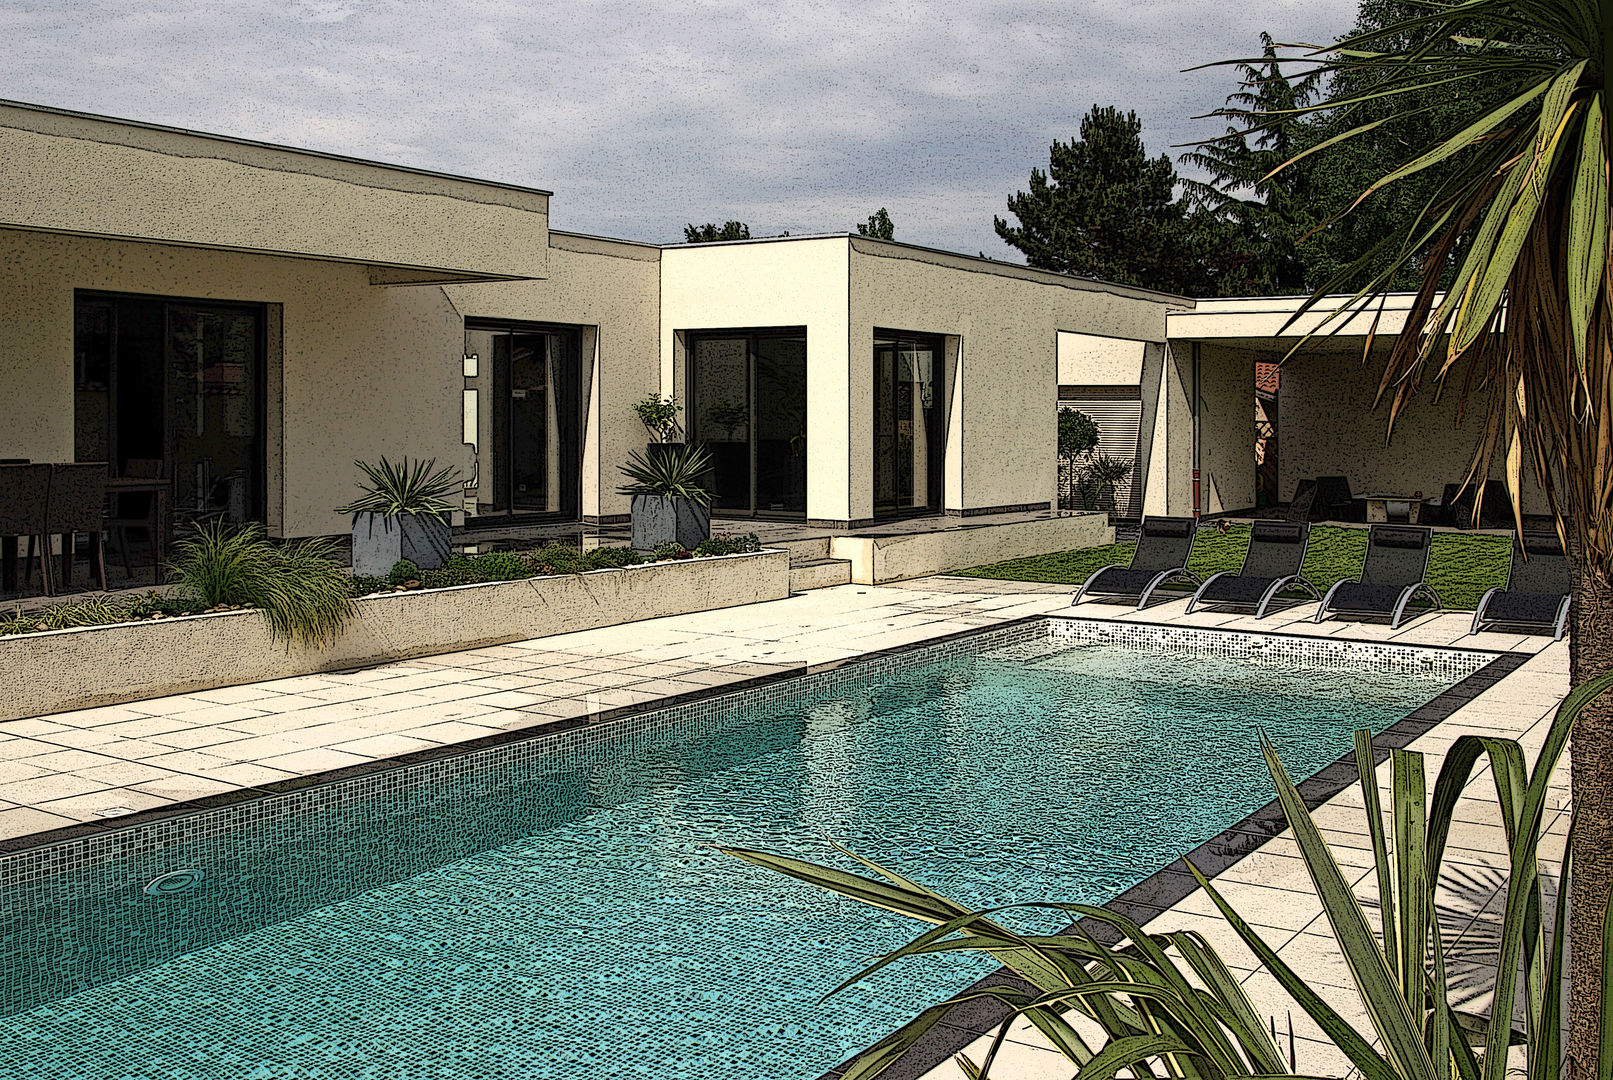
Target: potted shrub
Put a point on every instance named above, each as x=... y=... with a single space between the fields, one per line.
x=670 y=505
x=401 y=515
x=659 y=415
x=1096 y=483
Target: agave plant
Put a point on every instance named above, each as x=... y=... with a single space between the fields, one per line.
x=676 y=473
x=404 y=488
x=1189 y=1018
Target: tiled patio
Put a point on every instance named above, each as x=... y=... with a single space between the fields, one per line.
x=98 y=764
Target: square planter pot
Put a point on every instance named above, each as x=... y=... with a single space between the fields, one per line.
x=662 y=519
x=380 y=540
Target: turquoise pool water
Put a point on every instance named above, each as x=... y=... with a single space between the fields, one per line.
x=569 y=917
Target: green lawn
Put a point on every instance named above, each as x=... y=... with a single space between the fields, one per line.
x=1461 y=566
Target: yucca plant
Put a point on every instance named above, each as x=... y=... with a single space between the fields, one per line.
x=676 y=473
x=416 y=487
x=1189 y=1018
x=303 y=592
x=1512 y=250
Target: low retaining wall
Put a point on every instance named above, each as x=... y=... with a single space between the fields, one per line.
x=894 y=558
x=60 y=670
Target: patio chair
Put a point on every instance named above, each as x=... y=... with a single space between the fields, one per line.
x=1537 y=588
x=24 y=502
x=137 y=510
x=1392 y=576
x=78 y=505
x=1270 y=566
x=1456 y=505
x=1163 y=545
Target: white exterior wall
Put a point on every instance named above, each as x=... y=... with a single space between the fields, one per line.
x=612 y=289
x=1003 y=424
x=363 y=370
x=783 y=283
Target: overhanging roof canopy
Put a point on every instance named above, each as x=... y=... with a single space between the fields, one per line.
x=86 y=175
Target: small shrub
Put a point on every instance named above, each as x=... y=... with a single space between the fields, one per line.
x=610 y=558
x=448 y=577
x=403 y=570
x=501 y=566
x=556 y=559
x=728 y=545
x=367 y=584
x=674 y=550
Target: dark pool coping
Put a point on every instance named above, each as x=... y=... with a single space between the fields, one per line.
x=1173 y=883
x=539 y=729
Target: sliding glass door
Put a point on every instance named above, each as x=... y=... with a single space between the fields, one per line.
x=747 y=405
x=521 y=409
x=907 y=424
x=174 y=388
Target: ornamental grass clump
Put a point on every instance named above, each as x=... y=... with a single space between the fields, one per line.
x=304 y=593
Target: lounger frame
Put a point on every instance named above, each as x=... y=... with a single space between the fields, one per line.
x=1162 y=578
x=1407 y=595
x=1281 y=585
x=1559 y=625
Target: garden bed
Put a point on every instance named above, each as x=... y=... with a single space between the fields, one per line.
x=57 y=670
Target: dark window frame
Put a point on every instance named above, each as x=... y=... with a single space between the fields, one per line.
x=753 y=336
x=259 y=311
x=936 y=425
x=571 y=417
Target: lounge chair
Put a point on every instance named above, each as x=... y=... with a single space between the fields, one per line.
x=1536 y=592
x=1163 y=546
x=1393 y=575
x=1270 y=566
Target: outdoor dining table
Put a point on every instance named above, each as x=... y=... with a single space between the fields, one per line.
x=1380 y=507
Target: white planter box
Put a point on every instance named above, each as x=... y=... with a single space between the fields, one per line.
x=60 y=670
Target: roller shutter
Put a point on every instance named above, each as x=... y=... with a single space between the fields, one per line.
x=1119 y=417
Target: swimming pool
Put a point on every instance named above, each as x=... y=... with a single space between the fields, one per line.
x=555 y=905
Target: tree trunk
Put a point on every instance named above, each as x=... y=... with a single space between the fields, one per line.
x=1590 y=652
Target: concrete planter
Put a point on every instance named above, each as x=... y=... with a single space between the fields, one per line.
x=380 y=540
x=663 y=519
x=60 y=670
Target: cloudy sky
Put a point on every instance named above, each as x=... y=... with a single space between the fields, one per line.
x=641 y=116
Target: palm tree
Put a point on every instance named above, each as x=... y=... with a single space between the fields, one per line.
x=1519 y=228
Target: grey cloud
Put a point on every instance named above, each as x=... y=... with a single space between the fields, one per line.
x=642 y=116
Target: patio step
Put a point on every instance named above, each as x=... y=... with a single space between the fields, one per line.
x=818 y=574
x=808 y=550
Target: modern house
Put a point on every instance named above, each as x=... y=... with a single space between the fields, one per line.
x=256 y=317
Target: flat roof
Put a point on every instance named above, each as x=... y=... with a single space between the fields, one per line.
x=260 y=145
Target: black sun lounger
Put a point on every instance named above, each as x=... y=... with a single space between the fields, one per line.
x=1393 y=575
x=1270 y=566
x=1163 y=546
x=1537 y=588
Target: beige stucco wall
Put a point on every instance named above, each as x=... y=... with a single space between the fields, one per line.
x=613 y=289
x=1008 y=320
x=1227 y=429
x=363 y=370
x=72 y=173
x=1327 y=426
x=779 y=283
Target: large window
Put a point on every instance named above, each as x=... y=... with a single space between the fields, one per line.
x=521 y=409
x=747 y=405
x=174 y=388
x=907 y=423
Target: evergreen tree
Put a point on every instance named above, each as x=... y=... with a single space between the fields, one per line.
x=879 y=226
x=1104 y=209
x=705 y=234
x=1250 y=224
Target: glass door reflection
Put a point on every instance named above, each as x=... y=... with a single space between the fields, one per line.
x=747 y=406
x=907 y=425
